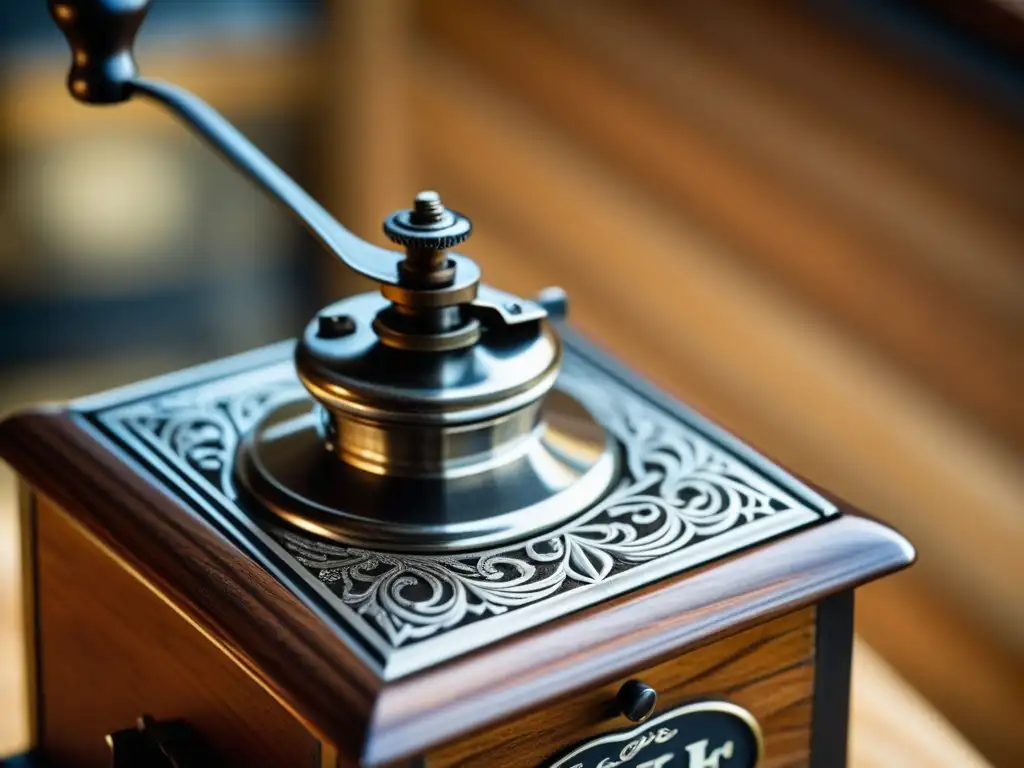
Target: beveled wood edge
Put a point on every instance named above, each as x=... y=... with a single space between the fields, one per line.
x=277 y=639
x=598 y=645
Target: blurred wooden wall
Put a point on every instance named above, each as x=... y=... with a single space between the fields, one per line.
x=811 y=236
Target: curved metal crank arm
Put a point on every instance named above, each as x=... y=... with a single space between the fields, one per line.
x=102 y=33
x=378 y=264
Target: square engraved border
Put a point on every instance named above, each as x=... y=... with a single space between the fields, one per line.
x=690 y=494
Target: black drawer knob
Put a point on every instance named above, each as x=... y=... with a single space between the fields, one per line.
x=153 y=744
x=636 y=700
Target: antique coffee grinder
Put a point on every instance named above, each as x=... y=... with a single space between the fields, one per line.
x=440 y=529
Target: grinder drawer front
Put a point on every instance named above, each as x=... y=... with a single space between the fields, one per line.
x=760 y=681
x=111 y=650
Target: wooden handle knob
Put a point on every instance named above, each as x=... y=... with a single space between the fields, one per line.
x=101 y=34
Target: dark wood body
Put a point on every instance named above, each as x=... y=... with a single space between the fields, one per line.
x=768 y=669
x=169 y=617
x=109 y=647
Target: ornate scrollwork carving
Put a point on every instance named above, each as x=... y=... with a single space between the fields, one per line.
x=680 y=489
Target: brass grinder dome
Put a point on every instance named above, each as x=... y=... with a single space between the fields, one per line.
x=437 y=423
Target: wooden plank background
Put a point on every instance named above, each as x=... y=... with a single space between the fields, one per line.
x=811 y=235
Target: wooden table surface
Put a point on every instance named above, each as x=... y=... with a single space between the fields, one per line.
x=891 y=725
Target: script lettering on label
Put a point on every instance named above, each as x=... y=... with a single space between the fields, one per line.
x=702 y=734
x=699 y=757
x=630 y=751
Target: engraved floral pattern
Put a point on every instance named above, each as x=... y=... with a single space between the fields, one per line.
x=202 y=427
x=678 y=489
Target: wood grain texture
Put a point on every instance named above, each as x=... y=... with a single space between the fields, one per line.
x=768 y=669
x=266 y=629
x=682 y=127
x=741 y=353
x=648 y=627
x=110 y=650
x=890 y=725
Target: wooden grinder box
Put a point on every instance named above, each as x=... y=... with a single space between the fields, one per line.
x=440 y=529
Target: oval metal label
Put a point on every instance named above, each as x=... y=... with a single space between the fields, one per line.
x=705 y=734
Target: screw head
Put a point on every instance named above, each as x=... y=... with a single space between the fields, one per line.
x=335 y=326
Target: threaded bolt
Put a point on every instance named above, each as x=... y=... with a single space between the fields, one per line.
x=427 y=208
x=428 y=225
